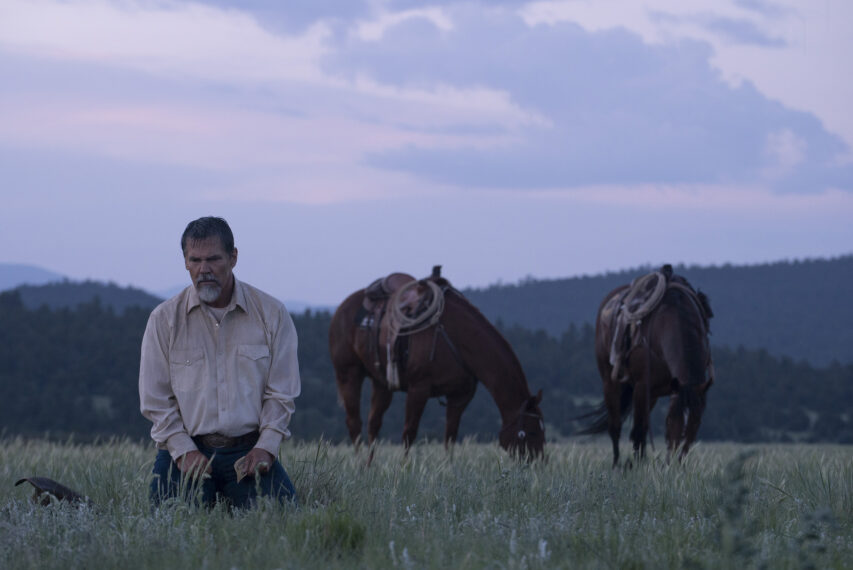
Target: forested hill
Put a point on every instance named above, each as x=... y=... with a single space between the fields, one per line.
x=75 y=371
x=71 y=294
x=796 y=309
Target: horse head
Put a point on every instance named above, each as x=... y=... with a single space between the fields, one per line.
x=524 y=435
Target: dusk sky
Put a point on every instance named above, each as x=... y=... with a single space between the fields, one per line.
x=346 y=139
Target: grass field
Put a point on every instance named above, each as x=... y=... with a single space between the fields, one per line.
x=726 y=506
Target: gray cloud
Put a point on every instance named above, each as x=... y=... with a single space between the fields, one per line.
x=733 y=30
x=742 y=31
x=622 y=111
x=295 y=15
x=763 y=7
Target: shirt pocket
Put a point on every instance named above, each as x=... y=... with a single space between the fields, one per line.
x=187 y=368
x=253 y=366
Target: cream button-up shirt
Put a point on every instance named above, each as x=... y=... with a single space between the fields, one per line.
x=197 y=376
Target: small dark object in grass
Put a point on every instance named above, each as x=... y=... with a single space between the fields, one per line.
x=45 y=488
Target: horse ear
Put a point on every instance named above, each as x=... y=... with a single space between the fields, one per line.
x=537 y=398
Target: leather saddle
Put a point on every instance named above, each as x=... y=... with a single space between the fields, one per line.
x=627 y=310
x=385 y=300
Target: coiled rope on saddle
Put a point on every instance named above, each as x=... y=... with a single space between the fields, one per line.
x=402 y=322
x=641 y=298
x=408 y=315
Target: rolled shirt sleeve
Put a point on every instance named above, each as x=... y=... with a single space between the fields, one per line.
x=157 y=400
x=283 y=387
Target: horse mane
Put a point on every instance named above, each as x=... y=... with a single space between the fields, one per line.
x=706 y=303
x=486 y=325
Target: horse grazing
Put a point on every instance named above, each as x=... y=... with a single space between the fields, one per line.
x=444 y=356
x=651 y=340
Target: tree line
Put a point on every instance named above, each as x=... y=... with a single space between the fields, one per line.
x=74 y=371
x=799 y=309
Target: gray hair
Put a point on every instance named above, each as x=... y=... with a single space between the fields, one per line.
x=207 y=227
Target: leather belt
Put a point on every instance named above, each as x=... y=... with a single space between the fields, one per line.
x=218 y=441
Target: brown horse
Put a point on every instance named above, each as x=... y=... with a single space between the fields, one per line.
x=446 y=359
x=668 y=356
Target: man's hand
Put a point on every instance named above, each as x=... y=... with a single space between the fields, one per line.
x=257 y=460
x=194 y=463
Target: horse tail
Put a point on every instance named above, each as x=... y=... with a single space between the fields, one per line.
x=691 y=397
x=601 y=415
x=598 y=425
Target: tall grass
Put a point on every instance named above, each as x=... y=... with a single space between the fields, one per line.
x=726 y=506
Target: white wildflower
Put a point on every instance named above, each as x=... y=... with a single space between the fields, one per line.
x=544 y=554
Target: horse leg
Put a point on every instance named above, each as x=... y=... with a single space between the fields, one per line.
x=674 y=422
x=416 y=400
x=350 y=381
x=641 y=419
x=694 y=418
x=380 y=400
x=613 y=402
x=453 y=415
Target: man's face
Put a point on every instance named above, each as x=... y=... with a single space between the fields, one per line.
x=210 y=270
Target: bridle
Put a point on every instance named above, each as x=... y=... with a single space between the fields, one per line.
x=522 y=434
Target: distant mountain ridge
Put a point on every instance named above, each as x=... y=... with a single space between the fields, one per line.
x=14 y=274
x=795 y=309
x=40 y=286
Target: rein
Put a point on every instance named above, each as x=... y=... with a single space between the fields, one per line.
x=439 y=329
x=455 y=351
x=512 y=424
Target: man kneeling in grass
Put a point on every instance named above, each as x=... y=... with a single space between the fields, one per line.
x=218 y=379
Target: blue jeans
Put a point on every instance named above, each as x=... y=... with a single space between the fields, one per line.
x=222 y=485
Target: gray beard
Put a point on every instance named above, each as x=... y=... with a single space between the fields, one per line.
x=209 y=292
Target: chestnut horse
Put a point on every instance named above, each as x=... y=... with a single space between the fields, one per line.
x=671 y=358
x=447 y=359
